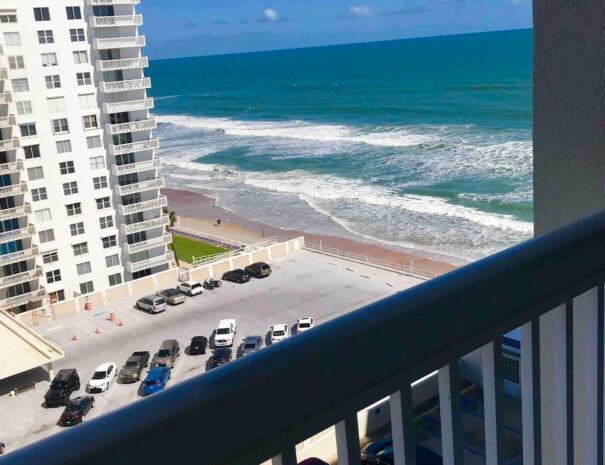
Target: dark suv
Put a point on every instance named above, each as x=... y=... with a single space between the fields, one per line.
x=259 y=270
x=66 y=381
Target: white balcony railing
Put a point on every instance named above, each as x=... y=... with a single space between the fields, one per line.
x=120 y=42
x=19 y=256
x=146 y=245
x=115 y=21
x=132 y=105
x=124 y=86
x=132 y=126
x=160 y=202
x=16 y=234
x=138 y=167
x=13 y=189
x=11 y=167
x=160 y=222
x=112 y=2
x=3 y=73
x=141 y=186
x=140 y=146
x=20 y=278
x=133 y=267
x=7 y=121
x=15 y=212
x=23 y=298
x=9 y=144
x=123 y=63
x=5 y=97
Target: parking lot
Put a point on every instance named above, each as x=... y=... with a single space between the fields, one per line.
x=303 y=284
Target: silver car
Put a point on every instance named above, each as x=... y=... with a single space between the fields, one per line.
x=152 y=304
x=172 y=296
x=252 y=344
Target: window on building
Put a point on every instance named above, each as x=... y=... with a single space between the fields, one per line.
x=53 y=276
x=90 y=122
x=103 y=10
x=70 y=188
x=102 y=203
x=106 y=222
x=67 y=167
x=74 y=209
x=41 y=14
x=73 y=12
x=83 y=79
x=80 y=57
x=28 y=129
x=49 y=59
x=16 y=62
x=46 y=37
x=76 y=229
x=60 y=126
x=93 y=142
x=80 y=249
x=97 y=163
x=125 y=138
x=39 y=194
x=56 y=296
x=35 y=172
x=56 y=104
x=115 y=279
x=20 y=85
x=77 y=35
x=12 y=38
x=63 y=146
x=31 y=151
x=50 y=257
x=125 y=159
x=83 y=268
x=43 y=215
x=24 y=108
x=109 y=241
x=46 y=236
x=8 y=18
x=112 y=260
x=53 y=82
x=87 y=101
x=86 y=288
x=100 y=182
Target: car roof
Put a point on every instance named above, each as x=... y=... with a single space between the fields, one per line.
x=224 y=323
x=252 y=338
x=305 y=318
x=78 y=400
x=104 y=366
x=280 y=326
x=167 y=343
x=199 y=338
x=222 y=351
x=64 y=373
x=190 y=283
x=154 y=373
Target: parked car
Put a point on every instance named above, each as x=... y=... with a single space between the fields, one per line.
x=2 y=446
x=156 y=380
x=221 y=356
x=237 y=276
x=381 y=453
x=312 y=461
x=252 y=344
x=131 y=371
x=76 y=410
x=304 y=324
x=191 y=288
x=224 y=333
x=167 y=354
x=152 y=304
x=279 y=332
x=172 y=296
x=65 y=382
x=259 y=270
x=198 y=345
x=103 y=377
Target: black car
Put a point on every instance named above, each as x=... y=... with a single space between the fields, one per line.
x=1 y=448
x=259 y=270
x=221 y=356
x=237 y=276
x=198 y=345
x=65 y=382
x=76 y=410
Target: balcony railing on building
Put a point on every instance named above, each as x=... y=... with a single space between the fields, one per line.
x=13 y=189
x=9 y=144
x=160 y=202
x=153 y=164
x=3 y=73
x=112 y=2
x=16 y=234
x=114 y=21
x=123 y=63
x=12 y=167
x=140 y=146
x=146 y=225
x=119 y=42
x=21 y=278
x=142 y=186
x=133 y=267
x=21 y=299
x=15 y=212
x=21 y=255
x=130 y=105
x=124 y=86
x=7 y=121
x=132 y=126
x=147 y=245
x=5 y=97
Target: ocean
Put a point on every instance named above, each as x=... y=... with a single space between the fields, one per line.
x=420 y=143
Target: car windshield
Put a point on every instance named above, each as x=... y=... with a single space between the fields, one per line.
x=159 y=302
x=278 y=333
x=264 y=267
x=222 y=330
x=73 y=406
x=59 y=385
x=132 y=363
x=250 y=345
x=195 y=286
x=164 y=353
x=99 y=375
x=152 y=382
x=170 y=292
x=304 y=325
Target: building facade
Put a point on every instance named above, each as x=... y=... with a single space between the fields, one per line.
x=80 y=203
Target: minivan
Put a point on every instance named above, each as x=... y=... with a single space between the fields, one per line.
x=152 y=304
x=64 y=383
x=167 y=355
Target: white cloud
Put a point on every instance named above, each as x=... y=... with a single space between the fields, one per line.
x=359 y=11
x=270 y=15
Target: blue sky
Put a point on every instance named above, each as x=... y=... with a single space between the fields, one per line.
x=208 y=27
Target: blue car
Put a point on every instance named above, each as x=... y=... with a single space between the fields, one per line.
x=156 y=380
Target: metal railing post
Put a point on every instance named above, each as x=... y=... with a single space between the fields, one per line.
x=402 y=425
x=492 y=397
x=451 y=419
x=347 y=441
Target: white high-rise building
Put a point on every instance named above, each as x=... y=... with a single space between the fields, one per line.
x=80 y=206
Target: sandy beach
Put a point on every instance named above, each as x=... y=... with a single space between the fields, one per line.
x=198 y=211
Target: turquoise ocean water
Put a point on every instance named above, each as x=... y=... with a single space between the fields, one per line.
x=421 y=143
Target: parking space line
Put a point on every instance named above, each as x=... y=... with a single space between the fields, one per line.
x=54 y=328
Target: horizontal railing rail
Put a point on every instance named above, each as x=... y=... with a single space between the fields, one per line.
x=128 y=105
x=120 y=42
x=322 y=377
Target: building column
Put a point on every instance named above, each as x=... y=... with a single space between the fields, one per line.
x=51 y=372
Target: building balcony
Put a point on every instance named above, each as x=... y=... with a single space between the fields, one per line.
x=123 y=63
x=124 y=86
x=9 y=144
x=132 y=126
x=119 y=42
x=116 y=21
x=138 y=167
x=140 y=146
x=7 y=121
x=12 y=167
x=20 y=278
x=146 y=245
x=133 y=267
x=13 y=189
x=112 y=2
x=160 y=222
x=160 y=202
x=141 y=186
x=3 y=73
x=17 y=300
x=132 y=105
x=5 y=97
x=15 y=212
x=19 y=256
x=17 y=234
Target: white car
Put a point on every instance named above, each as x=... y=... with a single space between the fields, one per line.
x=279 y=333
x=104 y=375
x=223 y=337
x=304 y=324
x=190 y=288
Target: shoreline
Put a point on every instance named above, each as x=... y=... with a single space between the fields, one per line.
x=200 y=212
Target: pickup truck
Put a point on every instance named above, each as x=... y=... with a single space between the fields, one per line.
x=131 y=371
x=224 y=333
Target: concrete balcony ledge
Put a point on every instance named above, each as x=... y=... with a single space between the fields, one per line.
x=23 y=298
x=133 y=267
x=9 y=144
x=5 y=97
x=21 y=255
x=11 y=167
x=16 y=234
x=132 y=126
x=15 y=212
x=3 y=73
x=161 y=241
x=112 y=2
x=115 y=21
x=119 y=42
x=124 y=86
x=160 y=202
x=140 y=146
x=138 y=167
x=124 y=63
x=7 y=121
x=20 y=278
x=131 y=105
x=160 y=222
x=142 y=186
x=14 y=189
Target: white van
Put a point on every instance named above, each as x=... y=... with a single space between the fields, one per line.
x=224 y=334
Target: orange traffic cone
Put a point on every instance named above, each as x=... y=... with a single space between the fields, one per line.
x=97 y=330
x=74 y=337
x=112 y=316
x=120 y=323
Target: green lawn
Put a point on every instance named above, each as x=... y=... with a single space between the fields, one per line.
x=185 y=248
